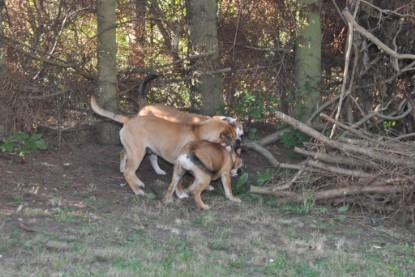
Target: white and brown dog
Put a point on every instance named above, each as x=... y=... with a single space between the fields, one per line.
x=142 y=134
x=206 y=161
x=173 y=115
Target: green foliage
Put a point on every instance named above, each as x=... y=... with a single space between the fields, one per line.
x=252 y=133
x=264 y=176
x=22 y=144
x=293 y=138
x=389 y=125
x=240 y=186
x=256 y=106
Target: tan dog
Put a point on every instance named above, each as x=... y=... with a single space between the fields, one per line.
x=161 y=137
x=173 y=115
x=206 y=161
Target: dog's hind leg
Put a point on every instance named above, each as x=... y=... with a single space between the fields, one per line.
x=123 y=160
x=157 y=169
x=135 y=154
x=198 y=187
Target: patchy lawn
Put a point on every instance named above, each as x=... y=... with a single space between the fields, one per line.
x=63 y=213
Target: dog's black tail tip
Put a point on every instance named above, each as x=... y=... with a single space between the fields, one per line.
x=151 y=76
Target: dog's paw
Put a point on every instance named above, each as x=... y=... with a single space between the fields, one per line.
x=167 y=199
x=160 y=172
x=140 y=192
x=210 y=188
x=205 y=207
x=182 y=195
x=235 y=199
x=141 y=184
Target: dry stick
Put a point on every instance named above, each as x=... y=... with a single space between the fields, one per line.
x=345 y=75
x=325 y=105
x=264 y=152
x=273 y=137
x=342 y=146
x=375 y=40
x=331 y=158
x=328 y=194
x=292 y=181
x=340 y=171
x=348 y=128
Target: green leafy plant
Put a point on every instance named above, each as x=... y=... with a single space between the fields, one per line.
x=240 y=186
x=252 y=133
x=293 y=138
x=256 y=106
x=23 y=144
x=264 y=176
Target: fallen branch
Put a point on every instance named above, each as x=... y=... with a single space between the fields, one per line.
x=273 y=137
x=264 y=152
x=330 y=158
x=327 y=194
x=340 y=171
x=342 y=146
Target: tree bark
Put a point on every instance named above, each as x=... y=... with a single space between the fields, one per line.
x=3 y=124
x=202 y=22
x=137 y=44
x=107 y=69
x=2 y=58
x=308 y=59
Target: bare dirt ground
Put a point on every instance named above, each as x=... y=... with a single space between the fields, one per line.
x=56 y=193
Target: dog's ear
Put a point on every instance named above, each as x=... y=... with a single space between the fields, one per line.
x=231 y=121
x=226 y=138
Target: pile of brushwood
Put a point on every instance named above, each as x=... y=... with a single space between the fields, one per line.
x=353 y=167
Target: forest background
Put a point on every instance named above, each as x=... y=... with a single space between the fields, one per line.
x=254 y=60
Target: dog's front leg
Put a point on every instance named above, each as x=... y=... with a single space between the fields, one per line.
x=175 y=182
x=157 y=169
x=226 y=182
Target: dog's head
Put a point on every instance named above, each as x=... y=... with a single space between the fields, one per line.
x=227 y=136
x=239 y=128
x=237 y=161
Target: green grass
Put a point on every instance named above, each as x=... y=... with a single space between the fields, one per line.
x=148 y=238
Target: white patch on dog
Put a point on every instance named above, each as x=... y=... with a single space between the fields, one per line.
x=157 y=169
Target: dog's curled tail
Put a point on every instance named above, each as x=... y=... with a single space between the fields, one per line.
x=108 y=114
x=142 y=90
x=195 y=159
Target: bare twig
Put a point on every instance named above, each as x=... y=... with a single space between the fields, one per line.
x=264 y=152
x=327 y=194
x=375 y=40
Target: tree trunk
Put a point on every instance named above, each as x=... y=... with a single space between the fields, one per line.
x=2 y=58
x=308 y=59
x=107 y=69
x=204 y=42
x=3 y=130
x=137 y=39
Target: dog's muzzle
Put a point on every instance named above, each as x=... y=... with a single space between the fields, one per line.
x=237 y=142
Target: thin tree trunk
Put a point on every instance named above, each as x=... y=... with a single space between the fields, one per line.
x=107 y=69
x=3 y=130
x=137 y=44
x=308 y=59
x=204 y=39
x=2 y=58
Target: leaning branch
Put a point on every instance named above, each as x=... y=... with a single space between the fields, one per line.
x=349 y=17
